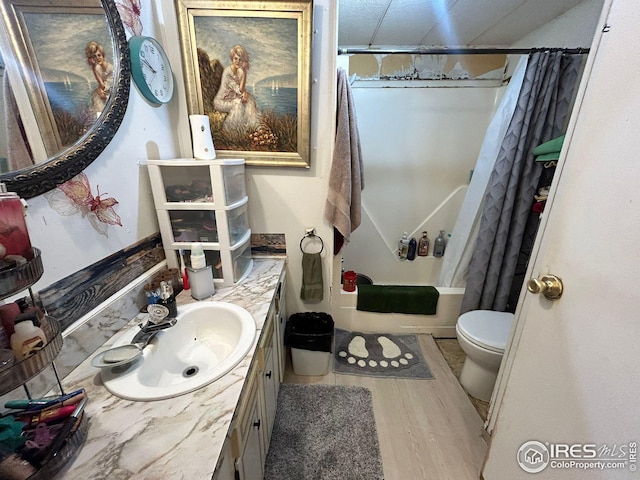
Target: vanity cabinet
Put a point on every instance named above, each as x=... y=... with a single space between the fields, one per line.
x=253 y=422
x=204 y=201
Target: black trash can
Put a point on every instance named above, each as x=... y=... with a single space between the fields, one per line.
x=310 y=336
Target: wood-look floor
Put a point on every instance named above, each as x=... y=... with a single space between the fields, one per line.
x=454 y=356
x=427 y=429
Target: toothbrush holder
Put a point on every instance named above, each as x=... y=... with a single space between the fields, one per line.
x=201 y=282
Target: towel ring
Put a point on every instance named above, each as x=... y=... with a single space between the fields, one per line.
x=315 y=236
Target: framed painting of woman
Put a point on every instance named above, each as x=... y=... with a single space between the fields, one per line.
x=247 y=67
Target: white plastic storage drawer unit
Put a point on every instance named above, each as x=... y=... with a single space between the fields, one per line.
x=204 y=201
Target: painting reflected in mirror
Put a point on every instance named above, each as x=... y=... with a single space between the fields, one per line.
x=64 y=86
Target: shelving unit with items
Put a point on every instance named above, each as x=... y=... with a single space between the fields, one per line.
x=37 y=464
x=204 y=201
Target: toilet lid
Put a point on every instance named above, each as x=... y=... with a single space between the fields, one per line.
x=486 y=328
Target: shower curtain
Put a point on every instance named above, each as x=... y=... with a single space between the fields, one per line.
x=541 y=114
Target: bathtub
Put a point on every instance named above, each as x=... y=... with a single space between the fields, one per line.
x=441 y=325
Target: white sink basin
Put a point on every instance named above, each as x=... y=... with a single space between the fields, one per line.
x=209 y=340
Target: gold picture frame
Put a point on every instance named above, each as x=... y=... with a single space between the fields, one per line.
x=247 y=66
x=47 y=67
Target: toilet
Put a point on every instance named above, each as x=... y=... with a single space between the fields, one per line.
x=483 y=335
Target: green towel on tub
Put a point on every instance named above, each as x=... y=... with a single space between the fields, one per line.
x=398 y=299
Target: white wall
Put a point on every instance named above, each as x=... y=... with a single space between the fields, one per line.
x=282 y=200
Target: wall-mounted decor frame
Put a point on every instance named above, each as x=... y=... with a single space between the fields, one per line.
x=247 y=66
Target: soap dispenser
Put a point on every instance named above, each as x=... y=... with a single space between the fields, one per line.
x=439 y=245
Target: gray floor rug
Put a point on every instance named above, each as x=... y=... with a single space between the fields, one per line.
x=379 y=355
x=324 y=432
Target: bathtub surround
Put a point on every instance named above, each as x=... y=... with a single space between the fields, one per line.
x=379 y=355
x=417 y=171
x=324 y=431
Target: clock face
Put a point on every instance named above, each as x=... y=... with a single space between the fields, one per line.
x=151 y=70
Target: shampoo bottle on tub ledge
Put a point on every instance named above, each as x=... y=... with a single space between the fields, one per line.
x=423 y=245
x=413 y=246
x=403 y=247
x=439 y=245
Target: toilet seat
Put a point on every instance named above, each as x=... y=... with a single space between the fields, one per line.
x=486 y=328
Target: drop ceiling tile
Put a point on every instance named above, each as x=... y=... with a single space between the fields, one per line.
x=358 y=19
x=408 y=21
x=528 y=17
x=467 y=20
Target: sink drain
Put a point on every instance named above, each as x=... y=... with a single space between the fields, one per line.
x=190 y=372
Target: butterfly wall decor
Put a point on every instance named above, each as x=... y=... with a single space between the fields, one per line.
x=129 y=11
x=75 y=196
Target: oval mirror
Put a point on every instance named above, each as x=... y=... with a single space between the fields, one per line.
x=42 y=87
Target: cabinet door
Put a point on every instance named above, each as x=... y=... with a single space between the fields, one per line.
x=225 y=470
x=281 y=323
x=271 y=384
x=269 y=376
x=250 y=464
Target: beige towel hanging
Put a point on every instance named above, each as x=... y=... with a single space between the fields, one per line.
x=346 y=180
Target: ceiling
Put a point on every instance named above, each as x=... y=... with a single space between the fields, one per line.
x=378 y=23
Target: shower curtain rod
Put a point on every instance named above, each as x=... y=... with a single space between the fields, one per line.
x=461 y=51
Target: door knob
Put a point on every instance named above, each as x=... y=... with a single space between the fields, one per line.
x=548 y=285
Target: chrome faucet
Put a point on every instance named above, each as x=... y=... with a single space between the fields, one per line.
x=157 y=321
x=148 y=331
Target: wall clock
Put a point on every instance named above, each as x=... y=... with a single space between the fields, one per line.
x=151 y=70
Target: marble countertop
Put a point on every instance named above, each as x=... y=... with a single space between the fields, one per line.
x=177 y=438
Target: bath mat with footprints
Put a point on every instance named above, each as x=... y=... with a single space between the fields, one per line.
x=379 y=355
